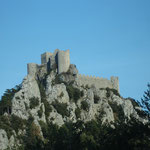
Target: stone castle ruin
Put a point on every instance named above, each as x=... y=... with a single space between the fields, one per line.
x=60 y=60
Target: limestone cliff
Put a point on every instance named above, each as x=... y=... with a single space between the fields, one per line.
x=58 y=98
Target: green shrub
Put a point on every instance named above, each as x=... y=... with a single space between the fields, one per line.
x=96 y=99
x=82 y=93
x=6 y=125
x=111 y=90
x=44 y=128
x=40 y=112
x=78 y=112
x=141 y=113
x=117 y=111
x=61 y=108
x=74 y=93
x=108 y=92
x=101 y=114
x=17 y=97
x=6 y=100
x=17 y=123
x=115 y=92
x=48 y=108
x=84 y=105
x=10 y=123
x=34 y=101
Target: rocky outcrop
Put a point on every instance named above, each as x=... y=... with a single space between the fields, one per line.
x=66 y=101
x=5 y=142
x=21 y=103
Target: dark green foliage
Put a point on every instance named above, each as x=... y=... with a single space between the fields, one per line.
x=10 y=123
x=40 y=112
x=118 y=111
x=108 y=92
x=61 y=108
x=111 y=90
x=34 y=102
x=115 y=92
x=78 y=112
x=82 y=93
x=74 y=93
x=93 y=136
x=146 y=101
x=48 y=108
x=101 y=114
x=17 y=97
x=96 y=99
x=5 y=124
x=84 y=105
x=17 y=123
x=6 y=100
x=141 y=113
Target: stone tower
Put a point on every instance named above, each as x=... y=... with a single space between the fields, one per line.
x=45 y=57
x=63 y=61
x=32 y=68
x=61 y=58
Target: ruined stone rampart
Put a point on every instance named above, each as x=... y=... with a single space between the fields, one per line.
x=98 y=82
x=32 y=68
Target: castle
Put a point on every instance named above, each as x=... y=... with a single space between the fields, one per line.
x=60 y=60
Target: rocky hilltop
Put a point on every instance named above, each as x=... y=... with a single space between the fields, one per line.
x=52 y=98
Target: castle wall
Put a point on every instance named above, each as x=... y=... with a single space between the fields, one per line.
x=115 y=82
x=32 y=68
x=45 y=57
x=63 y=61
x=98 y=82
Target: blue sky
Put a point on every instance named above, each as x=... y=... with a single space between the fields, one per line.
x=105 y=38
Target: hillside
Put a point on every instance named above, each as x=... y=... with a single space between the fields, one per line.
x=51 y=110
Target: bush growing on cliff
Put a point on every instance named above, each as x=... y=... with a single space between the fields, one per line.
x=6 y=100
x=96 y=99
x=34 y=102
x=61 y=108
x=117 y=111
x=40 y=112
x=10 y=123
x=146 y=101
x=78 y=112
x=84 y=105
x=74 y=93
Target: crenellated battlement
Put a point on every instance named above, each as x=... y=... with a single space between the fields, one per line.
x=98 y=82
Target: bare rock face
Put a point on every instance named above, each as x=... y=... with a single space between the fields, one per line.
x=4 y=142
x=21 y=103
